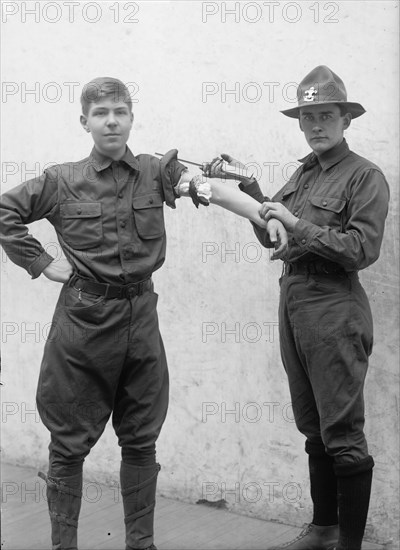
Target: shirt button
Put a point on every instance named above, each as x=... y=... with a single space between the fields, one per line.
x=120 y=195
x=151 y=201
x=303 y=241
x=324 y=203
x=122 y=223
x=306 y=186
x=296 y=213
x=127 y=254
x=79 y=211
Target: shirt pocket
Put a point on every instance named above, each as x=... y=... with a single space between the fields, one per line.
x=81 y=224
x=149 y=216
x=285 y=195
x=327 y=211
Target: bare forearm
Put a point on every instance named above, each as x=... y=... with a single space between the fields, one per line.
x=235 y=201
x=227 y=197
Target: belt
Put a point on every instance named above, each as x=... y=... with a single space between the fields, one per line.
x=110 y=291
x=313 y=268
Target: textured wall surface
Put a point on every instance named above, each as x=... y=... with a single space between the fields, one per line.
x=206 y=78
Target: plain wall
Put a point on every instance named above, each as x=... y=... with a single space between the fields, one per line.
x=206 y=81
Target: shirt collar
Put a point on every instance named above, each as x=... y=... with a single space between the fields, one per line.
x=331 y=157
x=101 y=162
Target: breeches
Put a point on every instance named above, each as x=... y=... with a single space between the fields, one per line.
x=326 y=338
x=103 y=357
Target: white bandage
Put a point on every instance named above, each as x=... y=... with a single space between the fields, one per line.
x=203 y=188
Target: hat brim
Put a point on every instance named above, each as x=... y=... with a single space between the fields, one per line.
x=355 y=109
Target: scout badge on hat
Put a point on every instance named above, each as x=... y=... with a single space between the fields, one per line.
x=322 y=86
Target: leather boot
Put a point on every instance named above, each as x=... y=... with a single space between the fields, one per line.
x=313 y=537
x=354 y=491
x=138 y=490
x=64 y=498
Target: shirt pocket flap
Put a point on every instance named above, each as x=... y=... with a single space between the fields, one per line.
x=149 y=215
x=147 y=201
x=81 y=224
x=328 y=203
x=80 y=210
x=285 y=193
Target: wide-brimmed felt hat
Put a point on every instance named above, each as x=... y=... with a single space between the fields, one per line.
x=322 y=86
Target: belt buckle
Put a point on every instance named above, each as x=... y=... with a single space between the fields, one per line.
x=131 y=291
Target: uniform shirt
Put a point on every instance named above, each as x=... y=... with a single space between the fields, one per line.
x=341 y=200
x=108 y=216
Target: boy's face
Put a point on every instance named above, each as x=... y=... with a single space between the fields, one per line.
x=323 y=126
x=110 y=123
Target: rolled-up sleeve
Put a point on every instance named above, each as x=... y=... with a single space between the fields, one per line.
x=26 y=203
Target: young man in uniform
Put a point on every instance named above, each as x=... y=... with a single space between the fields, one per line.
x=334 y=209
x=104 y=354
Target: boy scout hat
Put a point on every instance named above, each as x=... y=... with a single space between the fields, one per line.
x=321 y=86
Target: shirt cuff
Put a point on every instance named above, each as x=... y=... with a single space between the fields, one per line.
x=304 y=233
x=39 y=264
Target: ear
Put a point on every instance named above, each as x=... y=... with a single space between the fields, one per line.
x=84 y=122
x=346 y=121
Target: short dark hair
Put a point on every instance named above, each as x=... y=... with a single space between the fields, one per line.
x=343 y=109
x=101 y=87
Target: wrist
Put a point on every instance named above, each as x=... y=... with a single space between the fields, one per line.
x=181 y=189
x=296 y=224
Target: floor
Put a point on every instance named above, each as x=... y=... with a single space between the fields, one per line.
x=179 y=526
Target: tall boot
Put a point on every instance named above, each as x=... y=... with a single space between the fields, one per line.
x=354 y=491
x=64 y=498
x=323 y=488
x=138 y=490
x=323 y=532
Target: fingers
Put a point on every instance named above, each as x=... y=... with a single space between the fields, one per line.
x=279 y=252
x=273 y=234
x=224 y=167
x=268 y=216
x=263 y=210
x=213 y=169
x=64 y=277
x=207 y=167
x=216 y=164
x=233 y=162
x=226 y=158
x=283 y=237
x=267 y=207
x=277 y=235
